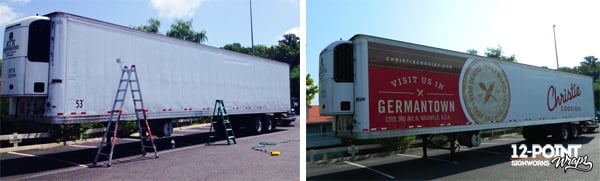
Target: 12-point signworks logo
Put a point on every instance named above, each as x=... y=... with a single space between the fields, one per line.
x=555 y=155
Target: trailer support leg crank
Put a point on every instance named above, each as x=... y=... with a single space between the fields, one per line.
x=426 y=138
x=452 y=139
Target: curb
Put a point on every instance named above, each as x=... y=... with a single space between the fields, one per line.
x=52 y=145
x=47 y=145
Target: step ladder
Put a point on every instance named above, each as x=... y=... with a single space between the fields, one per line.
x=220 y=119
x=127 y=82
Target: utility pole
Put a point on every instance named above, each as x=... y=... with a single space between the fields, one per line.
x=555 y=49
x=251 y=29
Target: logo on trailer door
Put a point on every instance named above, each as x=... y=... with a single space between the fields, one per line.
x=486 y=92
x=11 y=46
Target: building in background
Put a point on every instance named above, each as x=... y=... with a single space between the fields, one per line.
x=319 y=129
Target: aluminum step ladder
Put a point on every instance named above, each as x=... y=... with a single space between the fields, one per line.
x=127 y=82
x=220 y=119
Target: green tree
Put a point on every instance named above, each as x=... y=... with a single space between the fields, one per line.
x=153 y=25
x=311 y=90
x=590 y=66
x=262 y=51
x=237 y=47
x=183 y=30
x=497 y=53
x=472 y=51
x=295 y=74
x=568 y=69
x=288 y=50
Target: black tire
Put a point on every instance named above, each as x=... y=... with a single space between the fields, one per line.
x=269 y=124
x=472 y=139
x=162 y=128
x=584 y=129
x=573 y=131
x=560 y=132
x=258 y=127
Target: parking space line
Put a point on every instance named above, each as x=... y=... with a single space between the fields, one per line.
x=414 y=156
x=47 y=158
x=365 y=167
x=84 y=146
x=491 y=143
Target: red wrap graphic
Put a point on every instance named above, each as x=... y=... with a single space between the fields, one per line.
x=404 y=99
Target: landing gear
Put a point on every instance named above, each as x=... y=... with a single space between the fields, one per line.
x=454 y=147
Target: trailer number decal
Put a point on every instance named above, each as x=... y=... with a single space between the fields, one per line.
x=79 y=103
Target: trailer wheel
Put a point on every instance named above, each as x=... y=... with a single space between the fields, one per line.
x=268 y=124
x=258 y=125
x=584 y=129
x=560 y=133
x=472 y=139
x=573 y=131
x=167 y=128
x=162 y=128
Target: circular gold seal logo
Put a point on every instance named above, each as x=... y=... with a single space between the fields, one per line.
x=485 y=92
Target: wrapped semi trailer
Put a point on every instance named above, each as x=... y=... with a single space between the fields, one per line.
x=64 y=69
x=379 y=88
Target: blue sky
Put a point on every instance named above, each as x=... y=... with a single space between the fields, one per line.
x=225 y=21
x=522 y=28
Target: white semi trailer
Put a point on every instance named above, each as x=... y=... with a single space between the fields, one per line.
x=62 y=68
x=380 y=88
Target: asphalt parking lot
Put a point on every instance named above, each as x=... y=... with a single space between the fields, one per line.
x=490 y=161
x=191 y=159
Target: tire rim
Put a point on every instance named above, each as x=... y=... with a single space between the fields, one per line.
x=565 y=133
x=575 y=131
x=269 y=125
x=584 y=128
x=258 y=127
x=167 y=129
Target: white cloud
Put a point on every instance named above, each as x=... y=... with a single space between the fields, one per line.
x=176 y=8
x=6 y=14
x=293 y=30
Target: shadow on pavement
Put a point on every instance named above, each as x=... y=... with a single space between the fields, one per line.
x=53 y=161
x=428 y=169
